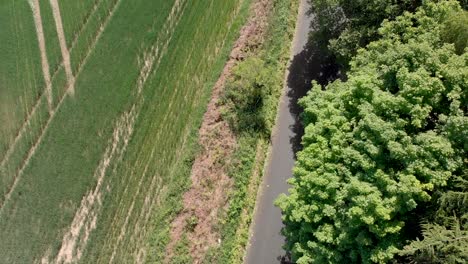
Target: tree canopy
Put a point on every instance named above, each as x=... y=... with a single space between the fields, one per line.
x=350 y=25
x=380 y=144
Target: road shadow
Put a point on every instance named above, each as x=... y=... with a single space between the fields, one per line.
x=285 y=259
x=312 y=63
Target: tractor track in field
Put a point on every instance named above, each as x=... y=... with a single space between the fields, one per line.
x=33 y=148
x=148 y=59
x=34 y=109
x=42 y=48
x=31 y=152
x=75 y=239
x=84 y=24
x=85 y=217
x=97 y=37
x=127 y=217
x=63 y=46
x=150 y=63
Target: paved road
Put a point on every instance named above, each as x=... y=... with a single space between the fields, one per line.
x=266 y=241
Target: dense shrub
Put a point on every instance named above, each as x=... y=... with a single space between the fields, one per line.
x=247 y=96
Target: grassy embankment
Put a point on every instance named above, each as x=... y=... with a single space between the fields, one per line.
x=246 y=166
x=173 y=200
x=125 y=139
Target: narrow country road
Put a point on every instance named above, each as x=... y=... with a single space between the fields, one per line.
x=265 y=245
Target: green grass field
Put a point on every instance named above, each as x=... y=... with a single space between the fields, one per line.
x=87 y=178
x=20 y=69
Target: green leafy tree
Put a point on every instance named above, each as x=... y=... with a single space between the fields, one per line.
x=445 y=233
x=440 y=245
x=454 y=30
x=350 y=25
x=379 y=144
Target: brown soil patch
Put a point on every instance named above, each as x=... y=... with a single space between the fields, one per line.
x=207 y=196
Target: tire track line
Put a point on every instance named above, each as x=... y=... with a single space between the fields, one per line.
x=147 y=208
x=123 y=229
x=97 y=37
x=152 y=59
x=86 y=217
x=76 y=36
x=32 y=150
x=155 y=53
x=42 y=47
x=127 y=218
x=63 y=46
x=151 y=62
x=145 y=212
x=32 y=113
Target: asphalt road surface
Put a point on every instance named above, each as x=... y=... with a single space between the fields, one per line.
x=265 y=244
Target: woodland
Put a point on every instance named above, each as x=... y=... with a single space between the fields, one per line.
x=382 y=176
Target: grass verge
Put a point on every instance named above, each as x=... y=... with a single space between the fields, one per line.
x=182 y=168
x=248 y=161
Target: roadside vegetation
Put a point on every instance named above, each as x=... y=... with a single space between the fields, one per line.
x=383 y=174
x=249 y=104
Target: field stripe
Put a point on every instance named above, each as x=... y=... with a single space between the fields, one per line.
x=70 y=251
x=141 y=227
x=86 y=216
x=52 y=115
x=42 y=47
x=32 y=113
x=127 y=218
x=31 y=152
x=45 y=67
x=84 y=25
x=63 y=46
x=155 y=53
x=20 y=133
x=140 y=253
x=97 y=37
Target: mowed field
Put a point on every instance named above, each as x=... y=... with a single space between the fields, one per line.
x=98 y=99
